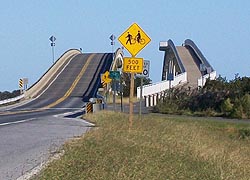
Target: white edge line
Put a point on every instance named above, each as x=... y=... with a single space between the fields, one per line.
x=75 y=119
x=17 y=122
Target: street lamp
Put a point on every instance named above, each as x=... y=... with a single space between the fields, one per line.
x=53 y=44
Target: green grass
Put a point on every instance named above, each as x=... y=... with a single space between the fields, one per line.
x=156 y=147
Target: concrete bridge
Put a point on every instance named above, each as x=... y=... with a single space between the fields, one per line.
x=183 y=65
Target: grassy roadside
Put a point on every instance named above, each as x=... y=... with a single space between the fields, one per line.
x=158 y=147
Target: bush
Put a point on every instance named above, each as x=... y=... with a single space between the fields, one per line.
x=245 y=101
x=237 y=111
x=226 y=107
x=216 y=97
x=167 y=107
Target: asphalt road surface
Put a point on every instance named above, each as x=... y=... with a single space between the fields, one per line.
x=32 y=132
x=29 y=144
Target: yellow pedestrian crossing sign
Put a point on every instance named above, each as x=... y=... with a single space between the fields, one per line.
x=134 y=39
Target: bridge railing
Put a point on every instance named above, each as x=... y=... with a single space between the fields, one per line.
x=159 y=87
x=6 y=101
x=202 y=80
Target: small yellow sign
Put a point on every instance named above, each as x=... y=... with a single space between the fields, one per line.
x=134 y=39
x=105 y=77
x=132 y=65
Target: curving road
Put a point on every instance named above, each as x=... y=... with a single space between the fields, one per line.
x=29 y=131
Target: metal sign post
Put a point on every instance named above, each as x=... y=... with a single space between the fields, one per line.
x=145 y=73
x=121 y=93
x=131 y=103
x=25 y=83
x=53 y=44
x=114 y=93
x=141 y=95
x=112 y=38
x=115 y=76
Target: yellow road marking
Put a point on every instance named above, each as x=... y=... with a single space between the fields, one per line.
x=65 y=96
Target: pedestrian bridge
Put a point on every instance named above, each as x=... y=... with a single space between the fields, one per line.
x=183 y=65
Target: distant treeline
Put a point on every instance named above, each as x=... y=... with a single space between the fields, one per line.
x=7 y=94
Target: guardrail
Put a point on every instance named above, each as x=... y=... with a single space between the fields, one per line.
x=6 y=101
x=155 y=88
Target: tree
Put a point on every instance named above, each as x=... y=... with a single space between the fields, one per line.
x=137 y=81
x=7 y=94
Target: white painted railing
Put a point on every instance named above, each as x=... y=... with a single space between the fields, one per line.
x=11 y=99
x=202 y=80
x=159 y=87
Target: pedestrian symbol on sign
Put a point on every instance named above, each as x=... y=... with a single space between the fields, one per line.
x=134 y=39
x=129 y=36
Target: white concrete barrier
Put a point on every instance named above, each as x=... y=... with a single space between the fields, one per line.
x=202 y=80
x=159 y=87
x=6 y=101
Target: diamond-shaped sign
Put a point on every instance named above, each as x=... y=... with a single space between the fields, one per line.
x=134 y=39
x=52 y=38
x=105 y=77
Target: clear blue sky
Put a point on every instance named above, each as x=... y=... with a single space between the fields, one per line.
x=221 y=29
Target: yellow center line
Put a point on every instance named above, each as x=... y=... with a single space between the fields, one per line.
x=65 y=96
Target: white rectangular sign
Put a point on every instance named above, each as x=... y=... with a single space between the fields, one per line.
x=145 y=71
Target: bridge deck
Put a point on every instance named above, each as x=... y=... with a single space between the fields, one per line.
x=193 y=72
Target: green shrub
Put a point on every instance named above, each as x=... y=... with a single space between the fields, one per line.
x=167 y=107
x=217 y=97
x=226 y=107
x=237 y=111
x=245 y=101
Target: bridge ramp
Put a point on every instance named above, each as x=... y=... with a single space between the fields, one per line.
x=192 y=69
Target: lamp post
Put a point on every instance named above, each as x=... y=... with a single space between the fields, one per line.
x=53 y=44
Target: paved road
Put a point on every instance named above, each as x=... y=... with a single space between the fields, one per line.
x=29 y=144
x=32 y=131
